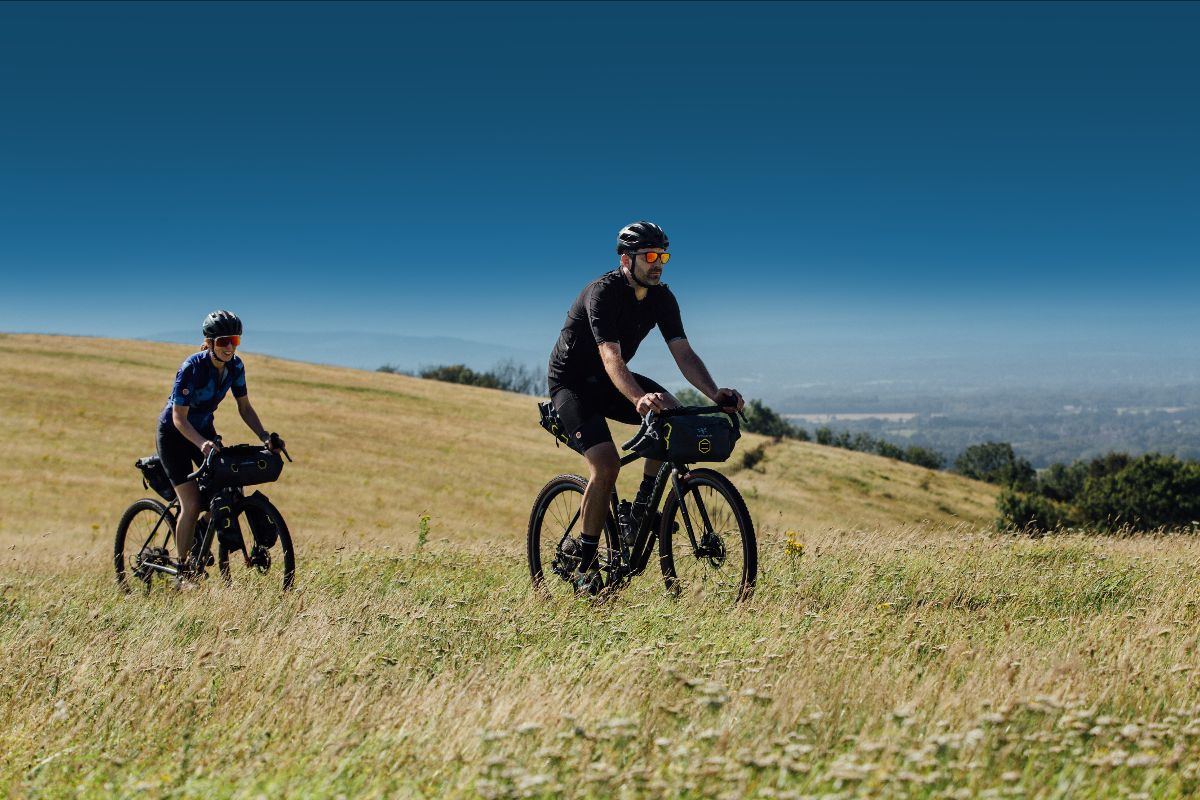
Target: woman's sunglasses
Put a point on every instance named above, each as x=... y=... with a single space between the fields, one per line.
x=652 y=257
x=227 y=341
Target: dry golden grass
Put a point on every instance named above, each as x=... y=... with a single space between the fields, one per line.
x=374 y=452
x=894 y=649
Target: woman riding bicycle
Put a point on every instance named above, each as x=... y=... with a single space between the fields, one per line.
x=185 y=428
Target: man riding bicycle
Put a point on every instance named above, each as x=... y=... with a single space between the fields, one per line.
x=589 y=379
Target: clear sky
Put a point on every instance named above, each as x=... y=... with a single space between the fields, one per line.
x=857 y=178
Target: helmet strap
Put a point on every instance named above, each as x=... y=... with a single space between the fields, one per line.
x=633 y=272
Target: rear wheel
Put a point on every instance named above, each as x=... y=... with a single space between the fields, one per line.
x=280 y=558
x=554 y=527
x=143 y=540
x=716 y=554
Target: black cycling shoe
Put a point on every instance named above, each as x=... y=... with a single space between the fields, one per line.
x=587 y=582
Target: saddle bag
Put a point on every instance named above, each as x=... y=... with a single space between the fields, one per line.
x=551 y=422
x=154 y=476
x=244 y=465
x=262 y=519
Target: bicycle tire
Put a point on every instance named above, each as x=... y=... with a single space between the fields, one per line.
x=556 y=513
x=283 y=544
x=724 y=532
x=142 y=519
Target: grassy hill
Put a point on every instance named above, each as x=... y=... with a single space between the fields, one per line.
x=904 y=653
x=376 y=451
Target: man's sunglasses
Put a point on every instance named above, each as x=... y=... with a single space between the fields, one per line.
x=227 y=341
x=652 y=257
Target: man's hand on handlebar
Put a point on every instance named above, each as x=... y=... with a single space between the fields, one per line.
x=208 y=447
x=274 y=443
x=730 y=400
x=654 y=401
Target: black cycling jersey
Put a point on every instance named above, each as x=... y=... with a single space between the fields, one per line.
x=607 y=310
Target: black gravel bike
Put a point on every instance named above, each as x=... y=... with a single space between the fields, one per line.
x=142 y=548
x=705 y=536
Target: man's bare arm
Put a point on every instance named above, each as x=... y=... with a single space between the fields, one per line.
x=618 y=371
x=698 y=375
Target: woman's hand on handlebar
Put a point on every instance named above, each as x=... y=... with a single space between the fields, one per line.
x=274 y=443
x=654 y=401
x=730 y=400
x=208 y=447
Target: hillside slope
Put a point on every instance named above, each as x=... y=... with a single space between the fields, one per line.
x=374 y=452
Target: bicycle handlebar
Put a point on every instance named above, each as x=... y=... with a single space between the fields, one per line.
x=208 y=459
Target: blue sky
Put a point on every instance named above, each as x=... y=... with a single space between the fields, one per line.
x=858 y=179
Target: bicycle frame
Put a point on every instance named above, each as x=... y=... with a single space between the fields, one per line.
x=634 y=561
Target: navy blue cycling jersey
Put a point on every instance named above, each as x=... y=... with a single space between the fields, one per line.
x=197 y=386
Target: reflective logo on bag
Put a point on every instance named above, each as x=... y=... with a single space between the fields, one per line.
x=704 y=445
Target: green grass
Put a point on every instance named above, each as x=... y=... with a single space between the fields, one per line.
x=921 y=668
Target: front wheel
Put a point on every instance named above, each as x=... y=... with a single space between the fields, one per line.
x=554 y=527
x=143 y=541
x=281 y=557
x=706 y=542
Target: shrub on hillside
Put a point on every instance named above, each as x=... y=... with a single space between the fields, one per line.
x=1030 y=513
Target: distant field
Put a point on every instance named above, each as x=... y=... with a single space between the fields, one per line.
x=897 y=647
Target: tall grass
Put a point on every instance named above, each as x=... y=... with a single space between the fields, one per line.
x=952 y=664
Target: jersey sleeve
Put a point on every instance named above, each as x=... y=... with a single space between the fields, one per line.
x=239 y=380
x=603 y=313
x=669 y=321
x=182 y=391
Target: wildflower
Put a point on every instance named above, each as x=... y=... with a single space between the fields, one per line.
x=795 y=547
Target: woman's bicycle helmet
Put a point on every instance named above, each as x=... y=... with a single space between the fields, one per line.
x=221 y=323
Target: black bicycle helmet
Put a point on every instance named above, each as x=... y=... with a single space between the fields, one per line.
x=221 y=323
x=641 y=235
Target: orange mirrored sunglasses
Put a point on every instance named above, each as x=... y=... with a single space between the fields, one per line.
x=652 y=257
x=227 y=341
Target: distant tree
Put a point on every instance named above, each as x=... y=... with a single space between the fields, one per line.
x=924 y=457
x=995 y=462
x=1061 y=483
x=889 y=450
x=460 y=373
x=514 y=377
x=1108 y=464
x=1150 y=492
x=392 y=369
x=688 y=396
x=824 y=435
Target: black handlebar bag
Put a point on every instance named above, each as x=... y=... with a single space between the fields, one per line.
x=244 y=465
x=692 y=439
x=686 y=439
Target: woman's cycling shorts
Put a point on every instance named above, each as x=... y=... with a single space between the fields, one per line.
x=585 y=406
x=179 y=456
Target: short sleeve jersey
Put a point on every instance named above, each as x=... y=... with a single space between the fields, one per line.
x=199 y=387
x=607 y=310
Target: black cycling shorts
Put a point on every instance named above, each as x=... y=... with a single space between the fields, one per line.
x=583 y=408
x=177 y=453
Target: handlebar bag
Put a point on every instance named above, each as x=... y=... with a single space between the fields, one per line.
x=244 y=465
x=692 y=439
x=154 y=476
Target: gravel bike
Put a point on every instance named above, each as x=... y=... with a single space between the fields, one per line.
x=705 y=536
x=142 y=548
